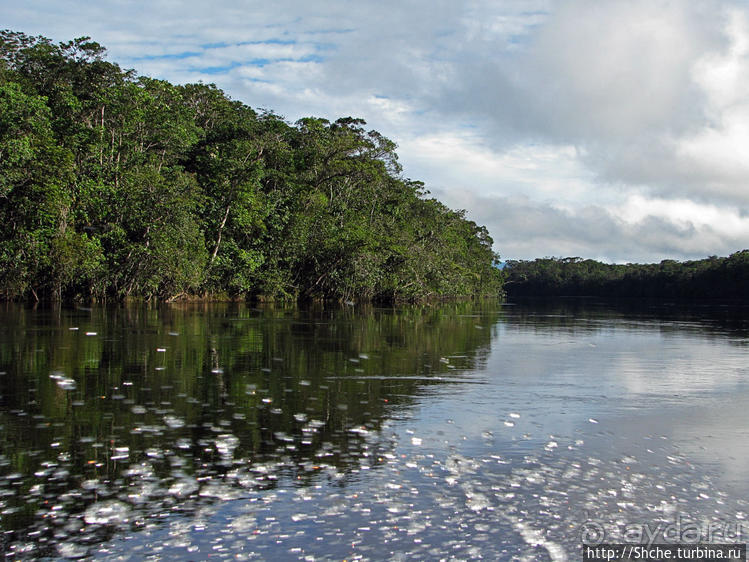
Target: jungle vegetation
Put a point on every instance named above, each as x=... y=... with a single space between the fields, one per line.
x=114 y=185
x=713 y=277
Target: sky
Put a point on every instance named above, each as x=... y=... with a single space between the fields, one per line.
x=614 y=130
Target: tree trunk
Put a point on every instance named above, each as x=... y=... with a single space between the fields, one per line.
x=220 y=232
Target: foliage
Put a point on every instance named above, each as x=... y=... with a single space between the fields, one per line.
x=114 y=185
x=712 y=277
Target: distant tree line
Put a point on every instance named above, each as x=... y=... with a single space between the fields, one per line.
x=713 y=277
x=114 y=185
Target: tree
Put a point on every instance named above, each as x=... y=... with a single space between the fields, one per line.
x=114 y=186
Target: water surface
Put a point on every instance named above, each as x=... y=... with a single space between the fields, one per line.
x=459 y=431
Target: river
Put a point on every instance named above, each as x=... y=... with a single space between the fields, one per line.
x=502 y=431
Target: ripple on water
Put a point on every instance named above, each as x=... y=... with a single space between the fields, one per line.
x=108 y=512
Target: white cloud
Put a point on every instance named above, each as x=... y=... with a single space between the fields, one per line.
x=650 y=232
x=717 y=155
x=458 y=161
x=726 y=221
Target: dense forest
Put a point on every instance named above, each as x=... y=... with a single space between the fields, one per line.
x=713 y=277
x=114 y=185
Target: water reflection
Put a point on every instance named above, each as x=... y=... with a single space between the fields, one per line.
x=114 y=415
x=726 y=320
x=463 y=430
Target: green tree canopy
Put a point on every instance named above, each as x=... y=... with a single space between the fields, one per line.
x=114 y=185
